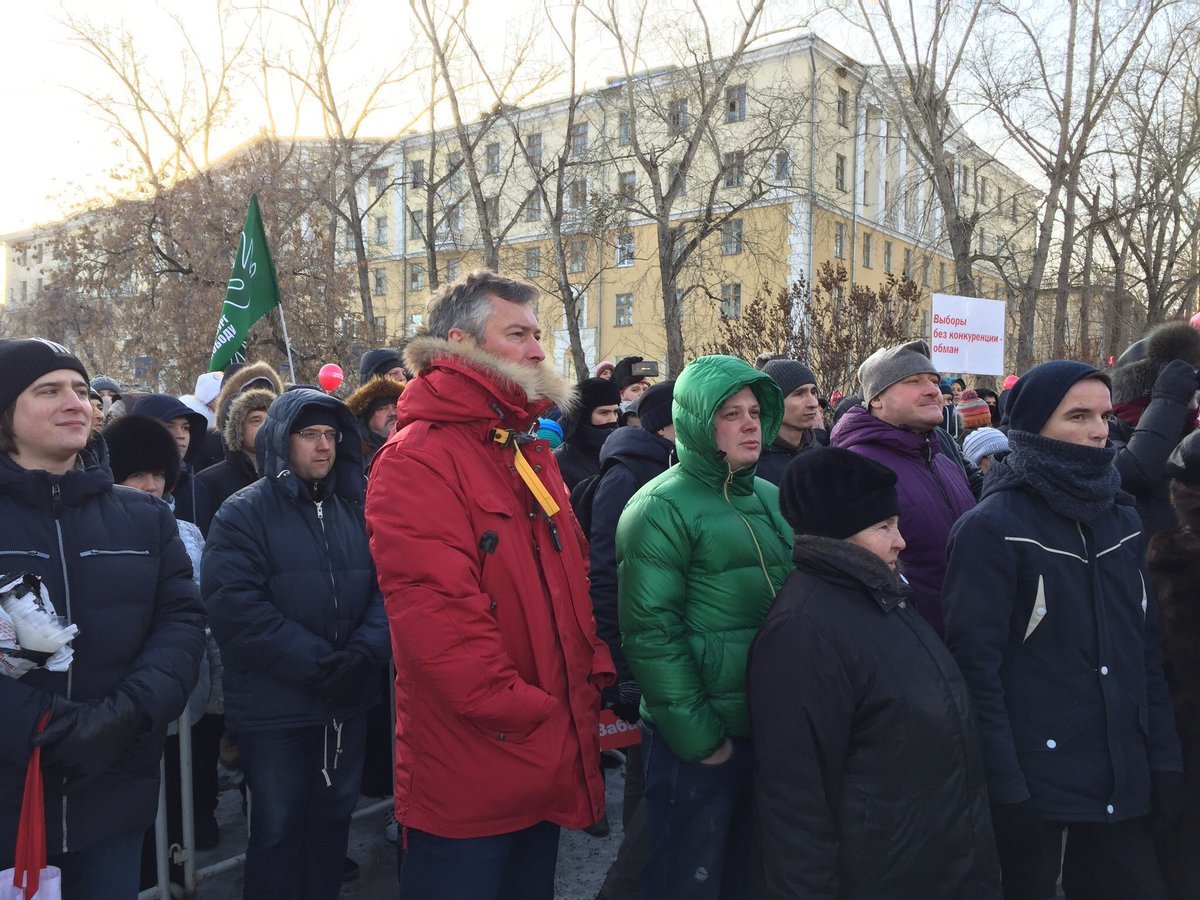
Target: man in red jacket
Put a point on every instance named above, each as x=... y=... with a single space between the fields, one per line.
x=484 y=575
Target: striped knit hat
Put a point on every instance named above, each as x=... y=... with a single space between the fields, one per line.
x=974 y=410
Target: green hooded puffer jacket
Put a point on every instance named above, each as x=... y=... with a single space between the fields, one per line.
x=701 y=551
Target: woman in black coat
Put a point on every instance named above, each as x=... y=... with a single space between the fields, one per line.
x=869 y=782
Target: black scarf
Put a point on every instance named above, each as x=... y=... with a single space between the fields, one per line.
x=591 y=437
x=1075 y=481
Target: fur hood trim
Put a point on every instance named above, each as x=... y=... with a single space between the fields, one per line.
x=542 y=383
x=252 y=400
x=1134 y=381
x=376 y=389
x=232 y=386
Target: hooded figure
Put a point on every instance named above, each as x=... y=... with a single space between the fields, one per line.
x=239 y=468
x=869 y=780
x=1153 y=390
x=294 y=606
x=701 y=550
x=374 y=407
x=191 y=501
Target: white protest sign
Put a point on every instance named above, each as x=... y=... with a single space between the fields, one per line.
x=968 y=335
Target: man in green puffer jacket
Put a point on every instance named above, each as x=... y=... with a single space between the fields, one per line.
x=702 y=550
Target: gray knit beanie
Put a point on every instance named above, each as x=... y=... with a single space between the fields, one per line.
x=886 y=366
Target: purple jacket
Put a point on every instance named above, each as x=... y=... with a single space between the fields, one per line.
x=933 y=493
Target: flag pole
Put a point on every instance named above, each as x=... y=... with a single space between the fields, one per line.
x=287 y=343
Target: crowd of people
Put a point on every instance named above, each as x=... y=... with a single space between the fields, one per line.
x=927 y=640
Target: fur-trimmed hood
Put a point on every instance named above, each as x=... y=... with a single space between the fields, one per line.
x=534 y=385
x=235 y=383
x=252 y=400
x=1133 y=381
x=377 y=390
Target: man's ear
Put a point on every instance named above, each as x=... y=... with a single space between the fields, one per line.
x=876 y=403
x=457 y=336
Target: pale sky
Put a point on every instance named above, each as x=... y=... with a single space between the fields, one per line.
x=56 y=153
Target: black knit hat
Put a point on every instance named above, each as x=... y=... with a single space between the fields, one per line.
x=594 y=392
x=653 y=408
x=24 y=361
x=376 y=362
x=1033 y=399
x=315 y=414
x=835 y=493
x=141 y=444
x=789 y=374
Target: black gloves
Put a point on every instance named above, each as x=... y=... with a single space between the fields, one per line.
x=1166 y=800
x=1019 y=830
x=626 y=699
x=1176 y=381
x=83 y=740
x=344 y=674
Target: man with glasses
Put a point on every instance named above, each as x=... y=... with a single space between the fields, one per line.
x=293 y=603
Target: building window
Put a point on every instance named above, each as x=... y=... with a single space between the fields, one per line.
x=379 y=180
x=867 y=248
x=925 y=266
x=967 y=185
x=731 y=301
x=491 y=210
x=839 y=172
x=843 y=107
x=416 y=278
x=454 y=170
x=452 y=223
x=626 y=186
x=577 y=193
x=533 y=206
x=533 y=262
x=677 y=115
x=579 y=139
x=625 y=249
x=452 y=266
x=839 y=240
x=381 y=229
x=418 y=222
x=783 y=167
x=624 y=130
x=907 y=262
x=576 y=256
x=735 y=103
x=677 y=172
x=731 y=237
x=380 y=282
x=983 y=190
x=493 y=159
x=887 y=257
x=999 y=246
x=941 y=276
x=348 y=238
x=417 y=171
x=733 y=168
x=624 y=310
x=533 y=144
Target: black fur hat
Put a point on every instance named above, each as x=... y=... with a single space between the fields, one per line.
x=141 y=444
x=1133 y=381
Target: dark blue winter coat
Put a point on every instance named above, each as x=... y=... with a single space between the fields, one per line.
x=648 y=455
x=1054 y=626
x=113 y=564
x=288 y=579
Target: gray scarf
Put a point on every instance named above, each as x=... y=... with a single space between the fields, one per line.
x=1075 y=481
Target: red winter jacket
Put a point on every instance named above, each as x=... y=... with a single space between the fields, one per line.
x=497 y=661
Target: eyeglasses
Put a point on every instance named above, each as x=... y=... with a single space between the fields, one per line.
x=312 y=435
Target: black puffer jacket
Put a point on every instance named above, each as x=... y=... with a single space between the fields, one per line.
x=776 y=455
x=869 y=779
x=288 y=578
x=113 y=564
x=630 y=458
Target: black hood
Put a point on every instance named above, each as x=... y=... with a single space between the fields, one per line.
x=634 y=441
x=272 y=443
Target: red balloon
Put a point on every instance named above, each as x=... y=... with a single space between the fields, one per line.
x=1195 y=322
x=330 y=377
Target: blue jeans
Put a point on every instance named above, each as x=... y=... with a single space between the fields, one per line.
x=108 y=870
x=515 y=866
x=298 y=823
x=702 y=843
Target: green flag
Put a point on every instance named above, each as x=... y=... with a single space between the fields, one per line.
x=251 y=294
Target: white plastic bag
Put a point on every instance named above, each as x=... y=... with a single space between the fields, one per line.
x=31 y=632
